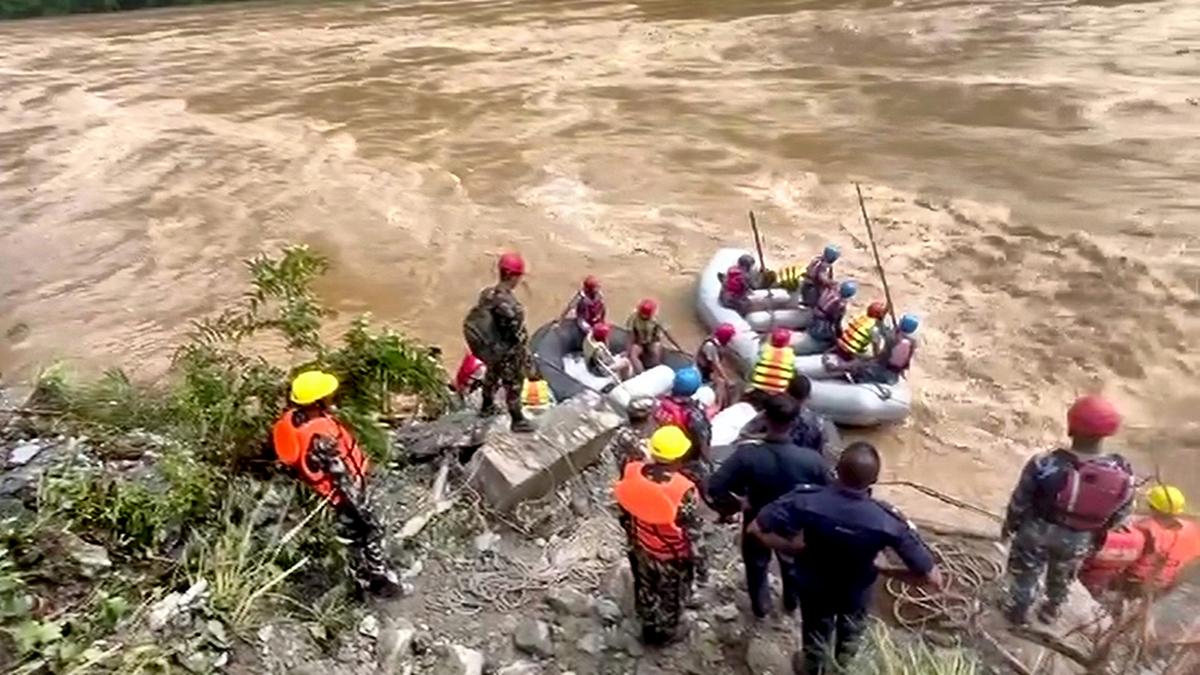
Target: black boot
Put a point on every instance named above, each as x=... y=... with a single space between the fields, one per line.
x=520 y=423
x=1017 y=615
x=1048 y=613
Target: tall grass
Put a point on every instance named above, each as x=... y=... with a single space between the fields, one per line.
x=883 y=653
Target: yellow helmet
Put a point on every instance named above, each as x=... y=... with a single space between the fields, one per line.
x=669 y=443
x=312 y=386
x=1166 y=499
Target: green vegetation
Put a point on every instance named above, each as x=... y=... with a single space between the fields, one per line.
x=21 y=9
x=883 y=653
x=174 y=483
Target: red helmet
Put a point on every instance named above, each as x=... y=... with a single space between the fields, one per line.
x=647 y=308
x=1093 y=416
x=877 y=310
x=600 y=331
x=512 y=264
x=724 y=333
x=590 y=284
x=781 y=337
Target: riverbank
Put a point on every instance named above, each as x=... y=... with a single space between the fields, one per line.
x=28 y=9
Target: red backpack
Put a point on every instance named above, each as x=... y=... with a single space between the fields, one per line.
x=1093 y=491
x=670 y=412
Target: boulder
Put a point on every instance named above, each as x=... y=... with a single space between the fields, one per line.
x=91 y=558
x=765 y=656
x=457 y=431
x=568 y=601
x=459 y=660
x=609 y=610
x=533 y=637
x=591 y=643
x=394 y=645
x=511 y=468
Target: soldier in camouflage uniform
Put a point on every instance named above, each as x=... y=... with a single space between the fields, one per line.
x=495 y=331
x=667 y=550
x=629 y=440
x=316 y=448
x=1064 y=503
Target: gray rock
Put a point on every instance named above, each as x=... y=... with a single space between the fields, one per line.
x=533 y=637
x=521 y=668
x=175 y=605
x=91 y=558
x=566 y=600
x=765 y=656
x=727 y=612
x=511 y=468
x=458 y=430
x=622 y=640
x=394 y=645
x=486 y=541
x=369 y=626
x=459 y=660
x=619 y=587
x=24 y=451
x=592 y=643
x=608 y=610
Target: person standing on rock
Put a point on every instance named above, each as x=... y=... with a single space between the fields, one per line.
x=1064 y=503
x=836 y=533
x=313 y=446
x=756 y=474
x=660 y=514
x=495 y=332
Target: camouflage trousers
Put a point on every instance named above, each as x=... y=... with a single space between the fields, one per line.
x=506 y=372
x=661 y=589
x=1038 y=546
x=361 y=533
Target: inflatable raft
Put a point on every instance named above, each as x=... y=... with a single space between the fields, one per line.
x=558 y=353
x=844 y=403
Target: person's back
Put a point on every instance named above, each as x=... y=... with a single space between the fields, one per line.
x=1172 y=541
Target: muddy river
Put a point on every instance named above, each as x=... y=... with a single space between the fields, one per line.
x=1034 y=165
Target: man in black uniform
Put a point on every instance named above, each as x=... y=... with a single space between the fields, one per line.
x=836 y=532
x=756 y=474
x=811 y=430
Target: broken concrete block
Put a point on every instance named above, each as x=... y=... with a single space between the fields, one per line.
x=512 y=468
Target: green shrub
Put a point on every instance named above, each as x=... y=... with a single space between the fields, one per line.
x=884 y=653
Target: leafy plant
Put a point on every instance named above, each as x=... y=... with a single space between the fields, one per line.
x=882 y=653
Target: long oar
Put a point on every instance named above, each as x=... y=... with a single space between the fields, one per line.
x=887 y=293
x=762 y=264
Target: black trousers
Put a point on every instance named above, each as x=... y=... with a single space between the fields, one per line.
x=756 y=557
x=828 y=630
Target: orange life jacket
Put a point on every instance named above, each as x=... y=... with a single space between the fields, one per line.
x=856 y=336
x=1171 y=548
x=292 y=444
x=653 y=508
x=535 y=395
x=775 y=368
x=1122 y=547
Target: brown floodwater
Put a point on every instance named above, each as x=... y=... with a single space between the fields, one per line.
x=1035 y=167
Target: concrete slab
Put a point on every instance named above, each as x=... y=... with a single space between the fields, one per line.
x=512 y=468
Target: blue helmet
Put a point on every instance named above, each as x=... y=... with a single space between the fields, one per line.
x=848 y=288
x=687 y=381
x=909 y=324
x=831 y=254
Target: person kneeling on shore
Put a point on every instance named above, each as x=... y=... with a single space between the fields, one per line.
x=314 y=447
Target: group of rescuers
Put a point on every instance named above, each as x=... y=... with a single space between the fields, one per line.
x=798 y=500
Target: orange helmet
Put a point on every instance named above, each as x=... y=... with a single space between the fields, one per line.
x=1093 y=416
x=646 y=308
x=781 y=337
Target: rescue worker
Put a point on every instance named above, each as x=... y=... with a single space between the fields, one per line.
x=495 y=331
x=862 y=335
x=818 y=276
x=628 y=443
x=645 y=336
x=1172 y=543
x=1064 y=502
x=893 y=359
x=313 y=446
x=589 y=306
x=811 y=430
x=710 y=361
x=681 y=409
x=829 y=311
x=775 y=367
x=836 y=533
x=756 y=474
x=536 y=396
x=736 y=285
x=661 y=517
x=600 y=359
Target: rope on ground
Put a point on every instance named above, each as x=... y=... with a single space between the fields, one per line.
x=967 y=576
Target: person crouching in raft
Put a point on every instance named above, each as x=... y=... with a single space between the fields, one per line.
x=818 y=276
x=589 y=306
x=893 y=359
x=736 y=284
x=829 y=311
x=710 y=361
x=659 y=511
x=600 y=360
x=645 y=336
x=314 y=447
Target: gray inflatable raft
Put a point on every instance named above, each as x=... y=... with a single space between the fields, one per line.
x=845 y=403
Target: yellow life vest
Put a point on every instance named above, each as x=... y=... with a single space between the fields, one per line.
x=774 y=370
x=536 y=395
x=789 y=277
x=856 y=337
